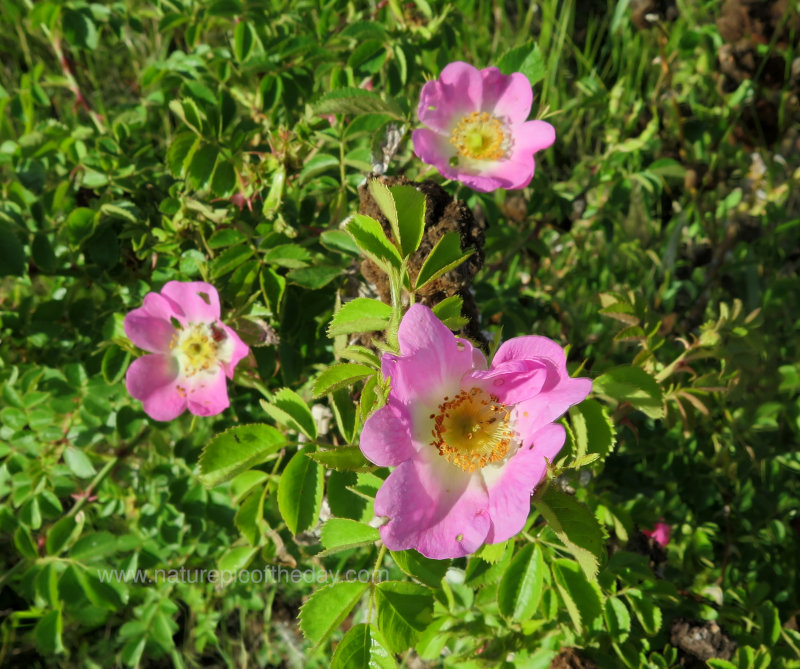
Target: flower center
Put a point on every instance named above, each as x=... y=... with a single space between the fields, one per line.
x=472 y=429
x=200 y=347
x=481 y=136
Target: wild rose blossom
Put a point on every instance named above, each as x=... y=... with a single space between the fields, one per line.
x=468 y=443
x=191 y=351
x=477 y=128
x=661 y=533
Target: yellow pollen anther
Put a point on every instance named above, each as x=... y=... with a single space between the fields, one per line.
x=198 y=347
x=480 y=136
x=472 y=429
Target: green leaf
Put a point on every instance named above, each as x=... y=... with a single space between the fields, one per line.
x=223 y=183
x=404 y=208
x=115 y=362
x=327 y=608
x=229 y=260
x=300 y=492
x=236 y=450
x=443 y=257
x=427 y=571
x=449 y=312
x=363 y=314
x=288 y=408
x=236 y=559
x=343 y=459
x=225 y=237
x=618 y=620
x=526 y=59
x=487 y=566
x=632 y=385
x=576 y=527
x=12 y=253
x=179 y=151
x=94 y=546
x=25 y=543
x=355 y=101
x=339 y=376
x=404 y=610
x=340 y=534
x=371 y=239
x=411 y=205
x=79 y=463
x=202 y=166
x=362 y=648
x=47 y=633
x=314 y=278
x=62 y=532
x=243 y=38
x=593 y=429
x=344 y=409
x=582 y=598
x=648 y=614
x=520 y=589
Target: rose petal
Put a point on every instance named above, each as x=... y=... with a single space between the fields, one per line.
x=153 y=379
x=386 y=436
x=198 y=300
x=240 y=351
x=512 y=381
x=510 y=486
x=458 y=91
x=531 y=137
x=432 y=360
x=532 y=415
x=434 y=149
x=207 y=394
x=434 y=508
x=508 y=96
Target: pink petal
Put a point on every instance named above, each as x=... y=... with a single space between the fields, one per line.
x=512 y=174
x=661 y=533
x=198 y=300
x=513 y=381
x=153 y=379
x=240 y=351
x=508 y=96
x=149 y=327
x=434 y=149
x=531 y=347
x=386 y=436
x=531 y=137
x=432 y=360
x=532 y=415
x=433 y=507
x=458 y=91
x=510 y=492
x=207 y=395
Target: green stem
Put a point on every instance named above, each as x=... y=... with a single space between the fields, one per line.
x=95 y=482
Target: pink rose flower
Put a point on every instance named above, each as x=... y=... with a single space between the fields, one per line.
x=661 y=533
x=191 y=352
x=469 y=444
x=477 y=128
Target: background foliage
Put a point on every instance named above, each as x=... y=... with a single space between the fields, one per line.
x=142 y=142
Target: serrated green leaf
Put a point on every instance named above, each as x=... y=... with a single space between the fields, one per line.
x=223 y=183
x=634 y=386
x=404 y=610
x=314 y=278
x=362 y=314
x=583 y=598
x=63 y=532
x=202 y=166
x=520 y=589
x=593 y=429
x=362 y=648
x=427 y=571
x=410 y=204
x=575 y=526
x=339 y=376
x=618 y=620
x=236 y=450
x=300 y=492
x=449 y=312
x=341 y=534
x=288 y=408
x=371 y=239
x=356 y=101
x=229 y=260
x=343 y=459
x=47 y=633
x=445 y=256
x=527 y=59
x=648 y=614
x=327 y=608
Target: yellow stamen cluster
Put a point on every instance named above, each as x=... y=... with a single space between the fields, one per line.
x=197 y=347
x=472 y=430
x=480 y=136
